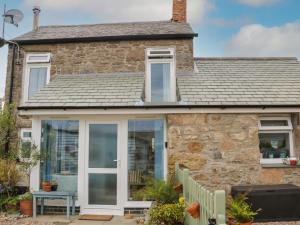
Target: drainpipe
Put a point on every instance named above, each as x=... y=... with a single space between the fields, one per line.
x=10 y=98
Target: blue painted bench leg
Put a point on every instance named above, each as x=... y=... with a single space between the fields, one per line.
x=42 y=206
x=73 y=205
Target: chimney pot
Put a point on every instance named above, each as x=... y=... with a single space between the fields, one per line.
x=36 y=13
x=180 y=11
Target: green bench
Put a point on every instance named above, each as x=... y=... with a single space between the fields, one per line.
x=68 y=196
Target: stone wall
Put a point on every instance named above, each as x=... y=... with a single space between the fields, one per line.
x=97 y=57
x=222 y=150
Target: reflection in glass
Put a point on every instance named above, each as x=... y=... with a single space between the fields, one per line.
x=59 y=150
x=145 y=153
x=160 y=82
x=274 y=145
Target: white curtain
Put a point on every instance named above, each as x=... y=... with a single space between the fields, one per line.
x=37 y=80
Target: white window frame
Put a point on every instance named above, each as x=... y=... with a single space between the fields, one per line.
x=277 y=129
x=25 y=139
x=35 y=64
x=171 y=61
x=47 y=55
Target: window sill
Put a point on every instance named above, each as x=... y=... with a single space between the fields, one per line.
x=275 y=163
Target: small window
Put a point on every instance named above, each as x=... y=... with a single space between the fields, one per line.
x=37 y=74
x=275 y=139
x=161 y=79
x=26 y=143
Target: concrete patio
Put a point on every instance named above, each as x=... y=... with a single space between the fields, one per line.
x=61 y=220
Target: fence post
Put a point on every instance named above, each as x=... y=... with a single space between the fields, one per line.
x=185 y=184
x=219 y=204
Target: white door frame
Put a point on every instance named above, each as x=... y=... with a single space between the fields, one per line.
x=104 y=209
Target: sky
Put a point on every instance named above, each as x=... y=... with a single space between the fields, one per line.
x=225 y=27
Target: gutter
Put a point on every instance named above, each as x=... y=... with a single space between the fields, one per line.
x=107 y=38
x=154 y=107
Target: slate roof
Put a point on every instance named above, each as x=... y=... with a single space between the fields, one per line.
x=242 y=81
x=216 y=82
x=112 y=31
x=90 y=90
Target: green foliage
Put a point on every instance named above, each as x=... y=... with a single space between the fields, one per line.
x=26 y=196
x=8 y=131
x=9 y=176
x=167 y=214
x=240 y=211
x=158 y=190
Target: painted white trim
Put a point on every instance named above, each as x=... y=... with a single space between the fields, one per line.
x=27 y=73
x=288 y=127
x=47 y=55
x=36 y=140
x=160 y=111
x=271 y=161
x=103 y=209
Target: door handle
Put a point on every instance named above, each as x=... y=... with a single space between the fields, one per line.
x=117 y=160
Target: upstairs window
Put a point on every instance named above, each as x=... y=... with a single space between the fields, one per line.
x=160 y=78
x=276 y=139
x=37 y=73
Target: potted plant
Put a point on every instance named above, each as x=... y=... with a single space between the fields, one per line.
x=26 y=204
x=54 y=185
x=239 y=211
x=26 y=166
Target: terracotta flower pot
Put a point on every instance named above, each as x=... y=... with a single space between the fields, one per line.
x=178 y=188
x=26 y=207
x=46 y=186
x=293 y=162
x=194 y=210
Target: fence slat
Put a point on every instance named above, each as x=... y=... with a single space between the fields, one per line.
x=212 y=204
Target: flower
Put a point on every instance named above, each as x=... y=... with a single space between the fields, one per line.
x=181 y=200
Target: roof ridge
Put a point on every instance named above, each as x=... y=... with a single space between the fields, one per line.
x=116 y=23
x=247 y=58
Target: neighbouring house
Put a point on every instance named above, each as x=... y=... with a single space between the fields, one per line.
x=112 y=104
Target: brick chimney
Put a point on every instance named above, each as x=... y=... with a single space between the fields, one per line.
x=179 y=11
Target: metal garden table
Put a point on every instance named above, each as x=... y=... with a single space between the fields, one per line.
x=69 y=196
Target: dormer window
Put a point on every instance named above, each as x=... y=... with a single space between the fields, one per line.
x=160 y=76
x=37 y=73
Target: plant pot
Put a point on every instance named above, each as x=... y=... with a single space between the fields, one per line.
x=178 y=188
x=26 y=207
x=54 y=187
x=194 y=210
x=46 y=186
x=232 y=222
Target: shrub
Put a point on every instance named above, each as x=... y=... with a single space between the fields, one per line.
x=9 y=176
x=240 y=211
x=26 y=196
x=158 y=190
x=167 y=214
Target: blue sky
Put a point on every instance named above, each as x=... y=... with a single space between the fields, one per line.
x=225 y=27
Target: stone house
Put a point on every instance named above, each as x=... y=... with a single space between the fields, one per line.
x=113 y=104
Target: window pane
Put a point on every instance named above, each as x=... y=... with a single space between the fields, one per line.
x=37 y=80
x=103 y=145
x=145 y=154
x=102 y=189
x=59 y=149
x=160 y=82
x=26 y=134
x=272 y=123
x=274 y=145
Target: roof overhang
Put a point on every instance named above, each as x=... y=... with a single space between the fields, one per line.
x=151 y=109
x=108 y=38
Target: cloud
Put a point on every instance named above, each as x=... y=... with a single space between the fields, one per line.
x=258 y=40
x=257 y=3
x=121 y=11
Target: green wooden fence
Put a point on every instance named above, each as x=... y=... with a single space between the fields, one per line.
x=212 y=204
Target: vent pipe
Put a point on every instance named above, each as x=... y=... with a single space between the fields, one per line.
x=36 y=14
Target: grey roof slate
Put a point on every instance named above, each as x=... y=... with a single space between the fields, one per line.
x=242 y=81
x=216 y=82
x=91 y=90
x=112 y=30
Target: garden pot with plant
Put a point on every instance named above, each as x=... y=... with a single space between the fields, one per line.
x=26 y=204
x=240 y=212
x=46 y=186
